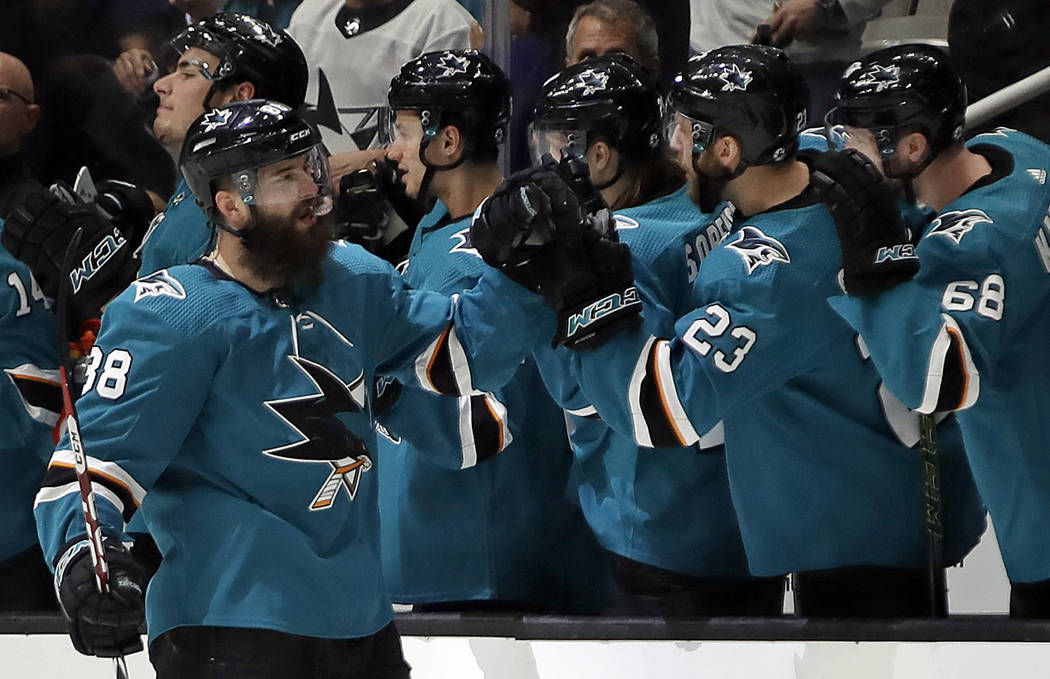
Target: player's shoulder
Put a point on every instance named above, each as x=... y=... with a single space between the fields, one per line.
x=772 y=245
x=652 y=227
x=347 y=260
x=187 y=299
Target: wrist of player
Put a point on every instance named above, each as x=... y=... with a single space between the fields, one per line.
x=879 y=267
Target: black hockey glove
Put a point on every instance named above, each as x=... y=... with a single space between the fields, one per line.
x=105 y=625
x=877 y=254
x=548 y=229
x=129 y=207
x=360 y=209
x=38 y=231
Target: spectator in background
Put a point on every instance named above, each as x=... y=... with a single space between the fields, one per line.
x=18 y=116
x=595 y=29
x=607 y=26
x=354 y=48
x=820 y=36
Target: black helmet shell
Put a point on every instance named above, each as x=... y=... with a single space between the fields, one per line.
x=250 y=50
x=751 y=92
x=611 y=94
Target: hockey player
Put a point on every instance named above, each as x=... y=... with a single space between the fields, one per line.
x=965 y=333
x=503 y=534
x=223 y=58
x=607 y=110
x=820 y=460
x=31 y=400
x=224 y=402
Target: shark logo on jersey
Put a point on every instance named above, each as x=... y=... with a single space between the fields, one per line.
x=624 y=222
x=735 y=79
x=881 y=77
x=324 y=438
x=957 y=223
x=453 y=64
x=463 y=245
x=757 y=249
x=216 y=118
x=159 y=284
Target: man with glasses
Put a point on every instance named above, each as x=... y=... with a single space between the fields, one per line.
x=18 y=117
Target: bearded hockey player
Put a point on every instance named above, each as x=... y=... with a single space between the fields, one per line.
x=225 y=403
x=503 y=534
x=607 y=112
x=825 y=481
x=963 y=335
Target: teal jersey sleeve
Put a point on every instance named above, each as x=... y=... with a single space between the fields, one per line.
x=135 y=412
x=731 y=348
x=443 y=344
x=971 y=316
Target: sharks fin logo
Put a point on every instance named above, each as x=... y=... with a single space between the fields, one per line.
x=463 y=243
x=159 y=284
x=757 y=249
x=957 y=223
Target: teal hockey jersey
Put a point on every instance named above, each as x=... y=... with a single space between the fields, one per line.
x=984 y=282
x=635 y=498
x=820 y=458
x=179 y=235
x=239 y=425
x=506 y=530
x=30 y=398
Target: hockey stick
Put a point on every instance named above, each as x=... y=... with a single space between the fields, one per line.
x=87 y=496
x=932 y=511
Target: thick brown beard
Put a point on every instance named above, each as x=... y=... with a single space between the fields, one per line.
x=275 y=249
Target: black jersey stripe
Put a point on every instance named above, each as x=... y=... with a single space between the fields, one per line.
x=487 y=427
x=38 y=392
x=657 y=416
x=61 y=474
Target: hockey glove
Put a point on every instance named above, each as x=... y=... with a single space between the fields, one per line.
x=129 y=207
x=105 y=625
x=877 y=254
x=38 y=231
x=548 y=229
x=360 y=209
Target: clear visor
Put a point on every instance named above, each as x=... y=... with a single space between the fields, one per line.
x=303 y=178
x=386 y=127
x=556 y=143
x=877 y=144
x=682 y=132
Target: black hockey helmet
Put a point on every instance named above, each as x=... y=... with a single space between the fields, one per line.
x=248 y=50
x=610 y=97
x=899 y=90
x=453 y=87
x=241 y=138
x=751 y=92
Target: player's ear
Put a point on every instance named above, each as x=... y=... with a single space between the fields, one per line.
x=728 y=151
x=231 y=207
x=244 y=91
x=913 y=145
x=452 y=143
